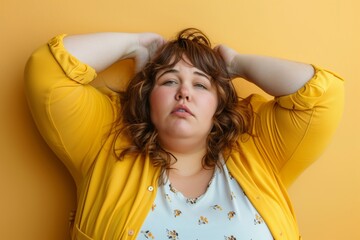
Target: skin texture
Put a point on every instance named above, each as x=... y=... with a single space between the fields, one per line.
x=183 y=103
x=181 y=133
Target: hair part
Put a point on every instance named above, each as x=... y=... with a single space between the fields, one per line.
x=232 y=117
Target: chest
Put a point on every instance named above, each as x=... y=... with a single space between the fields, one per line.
x=222 y=212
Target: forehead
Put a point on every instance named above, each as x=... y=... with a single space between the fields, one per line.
x=184 y=70
x=179 y=65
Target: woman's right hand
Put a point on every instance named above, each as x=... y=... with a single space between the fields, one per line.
x=149 y=43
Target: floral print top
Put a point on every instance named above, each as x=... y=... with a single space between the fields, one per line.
x=222 y=212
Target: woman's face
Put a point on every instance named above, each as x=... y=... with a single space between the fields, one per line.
x=183 y=102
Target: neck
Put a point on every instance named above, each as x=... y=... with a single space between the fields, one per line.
x=188 y=164
x=189 y=154
x=188 y=175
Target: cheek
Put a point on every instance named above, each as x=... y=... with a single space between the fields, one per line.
x=158 y=103
x=212 y=104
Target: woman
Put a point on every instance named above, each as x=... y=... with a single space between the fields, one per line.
x=178 y=155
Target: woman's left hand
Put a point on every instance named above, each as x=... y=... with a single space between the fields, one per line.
x=228 y=55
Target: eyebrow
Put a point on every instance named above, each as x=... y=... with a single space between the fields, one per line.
x=202 y=74
x=177 y=71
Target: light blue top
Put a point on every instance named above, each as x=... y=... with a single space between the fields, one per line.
x=222 y=212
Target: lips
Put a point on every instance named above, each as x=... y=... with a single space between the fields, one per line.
x=182 y=109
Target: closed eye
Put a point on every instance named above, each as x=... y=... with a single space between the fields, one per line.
x=200 y=85
x=169 y=82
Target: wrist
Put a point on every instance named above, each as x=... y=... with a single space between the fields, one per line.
x=131 y=46
x=237 y=67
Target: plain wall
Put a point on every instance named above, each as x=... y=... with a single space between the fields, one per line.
x=36 y=190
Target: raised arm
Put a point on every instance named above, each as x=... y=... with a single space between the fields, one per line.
x=293 y=129
x=100 y=50
x=275 y=76
x=71 y=114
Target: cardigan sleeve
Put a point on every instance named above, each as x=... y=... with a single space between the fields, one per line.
x=292 y=131
x=71 y=115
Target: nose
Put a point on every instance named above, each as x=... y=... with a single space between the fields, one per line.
x=182 y=94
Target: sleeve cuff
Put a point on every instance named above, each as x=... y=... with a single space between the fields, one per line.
x=73 y=68
x=310 y=94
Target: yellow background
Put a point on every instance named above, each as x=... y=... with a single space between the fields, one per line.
x=36 y=192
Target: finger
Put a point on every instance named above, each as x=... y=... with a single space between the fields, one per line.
x=222 y=50
x=216 y=48
x=142 y=57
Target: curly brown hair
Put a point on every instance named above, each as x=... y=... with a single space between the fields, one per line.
x=232 y=118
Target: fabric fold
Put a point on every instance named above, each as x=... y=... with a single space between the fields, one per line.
x=72 y=67
x=310 y=94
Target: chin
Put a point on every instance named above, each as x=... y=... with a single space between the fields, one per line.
x=187 y=135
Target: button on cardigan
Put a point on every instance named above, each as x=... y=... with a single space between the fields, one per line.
x=114 y=197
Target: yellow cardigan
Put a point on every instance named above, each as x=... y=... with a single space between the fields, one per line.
x=114 y=197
